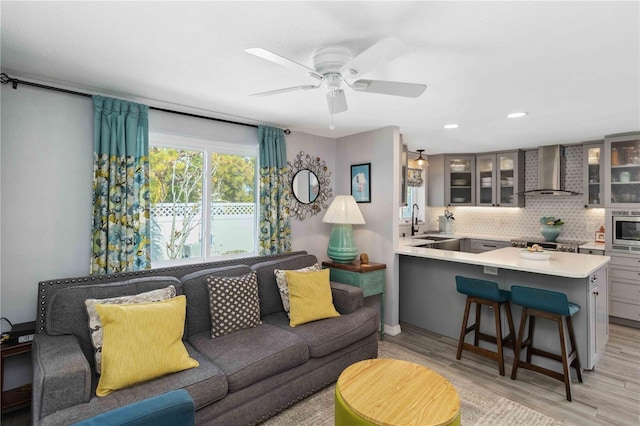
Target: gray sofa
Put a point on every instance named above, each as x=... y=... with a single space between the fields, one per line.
x=244 y=377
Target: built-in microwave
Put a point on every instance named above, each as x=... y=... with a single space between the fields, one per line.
x=626 y=229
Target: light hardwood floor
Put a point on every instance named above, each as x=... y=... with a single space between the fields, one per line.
x=609 y=395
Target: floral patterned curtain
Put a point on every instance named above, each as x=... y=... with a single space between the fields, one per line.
x=121 y=226
x=275 y=225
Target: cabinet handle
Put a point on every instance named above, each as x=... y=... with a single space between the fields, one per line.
x=595 y=293
x=594 y=279
x=487 y=245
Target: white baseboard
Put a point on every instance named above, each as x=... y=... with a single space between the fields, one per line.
x=392 y=330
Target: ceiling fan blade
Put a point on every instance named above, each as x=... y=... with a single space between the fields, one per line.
x=394 y=88
x=287 y=89
x=337 y=101
x=281 y=60
x=383 y=51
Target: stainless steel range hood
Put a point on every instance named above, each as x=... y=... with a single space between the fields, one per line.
x=550 y=172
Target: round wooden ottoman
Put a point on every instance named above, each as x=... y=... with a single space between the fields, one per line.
x=394 y=392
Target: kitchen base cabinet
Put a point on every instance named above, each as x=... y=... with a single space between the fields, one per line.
x=428 y=299
x=624 y=287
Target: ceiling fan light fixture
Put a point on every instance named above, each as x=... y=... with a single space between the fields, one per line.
x=451 y=126
x=517 y=114
x=422 y=162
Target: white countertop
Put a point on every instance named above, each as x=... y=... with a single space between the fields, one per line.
x=561 y=264
x=593 y=246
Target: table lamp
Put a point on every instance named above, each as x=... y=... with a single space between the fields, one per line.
x=343 y=212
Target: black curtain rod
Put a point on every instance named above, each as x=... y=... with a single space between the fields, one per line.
x=4 y=79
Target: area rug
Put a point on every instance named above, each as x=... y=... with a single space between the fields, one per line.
x=478 y=406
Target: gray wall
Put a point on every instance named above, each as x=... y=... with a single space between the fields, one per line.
x=46 y=187
x=378 y=238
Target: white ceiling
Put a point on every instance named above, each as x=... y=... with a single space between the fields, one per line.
x=574 y=66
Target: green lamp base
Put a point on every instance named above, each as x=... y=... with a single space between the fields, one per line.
x=342 y=245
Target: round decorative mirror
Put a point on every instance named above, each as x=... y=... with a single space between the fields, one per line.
x=305 y=186
x=309 y=180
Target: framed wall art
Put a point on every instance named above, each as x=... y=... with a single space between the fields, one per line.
x=599 y=237
x=361 y=182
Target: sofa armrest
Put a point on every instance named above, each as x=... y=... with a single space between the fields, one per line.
x=346 y=298
x=61 y=374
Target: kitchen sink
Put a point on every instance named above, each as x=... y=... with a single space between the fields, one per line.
x=428 y=237
x=440 y=243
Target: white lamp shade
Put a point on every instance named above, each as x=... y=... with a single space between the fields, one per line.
x=344 y=209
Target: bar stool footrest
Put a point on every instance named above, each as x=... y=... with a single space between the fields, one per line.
x=538 y=369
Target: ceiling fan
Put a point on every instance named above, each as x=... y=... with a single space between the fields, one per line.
x=332 y=66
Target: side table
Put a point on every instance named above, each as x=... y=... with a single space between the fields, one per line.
x=20 y=396
x=394 y=392
x=370 y=278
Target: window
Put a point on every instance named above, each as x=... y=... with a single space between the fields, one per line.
x=203 y=199
x=415 y=195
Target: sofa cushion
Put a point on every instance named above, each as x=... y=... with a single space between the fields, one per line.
x=67 y=313
x=310 y=295
x=332 y=334
x=283 y=286
x=270 y=301
x=95 y=325
x=142 y=341
x=234 y=303
x=195 y=288
x=254 y=354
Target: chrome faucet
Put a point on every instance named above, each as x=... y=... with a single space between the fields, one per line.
x=414 y=219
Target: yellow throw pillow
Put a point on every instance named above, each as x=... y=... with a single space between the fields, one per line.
x=310 y=297
x=141 y=342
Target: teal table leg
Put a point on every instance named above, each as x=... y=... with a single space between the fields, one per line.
x=381 y=316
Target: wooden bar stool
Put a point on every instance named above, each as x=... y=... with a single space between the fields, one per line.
x=554 y=306
x=482 y=292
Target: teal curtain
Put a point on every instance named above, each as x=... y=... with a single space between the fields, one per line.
x=121 y=226
x=275 y=226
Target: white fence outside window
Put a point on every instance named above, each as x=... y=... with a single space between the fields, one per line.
x=232 y=225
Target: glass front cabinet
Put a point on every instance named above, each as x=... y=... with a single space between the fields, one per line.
x=593 y=179
x=622 y=170
x=460 y=180
x=500 y=178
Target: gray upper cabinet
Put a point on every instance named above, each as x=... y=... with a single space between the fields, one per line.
x=622 y=170
x=486 y=177
x=459 y=180
x=511 y=179
x=593 y=174
x=493 y=179
x=500 y=177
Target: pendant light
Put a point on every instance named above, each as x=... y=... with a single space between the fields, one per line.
x=422 y=162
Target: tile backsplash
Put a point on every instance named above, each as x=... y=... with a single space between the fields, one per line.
x=580 y=223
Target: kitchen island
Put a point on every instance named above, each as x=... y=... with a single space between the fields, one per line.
x=428 y=298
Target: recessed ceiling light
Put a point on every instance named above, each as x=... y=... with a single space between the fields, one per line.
x=451 y=126
x=516 y=114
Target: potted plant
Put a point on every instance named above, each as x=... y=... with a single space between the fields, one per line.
x=551 y=227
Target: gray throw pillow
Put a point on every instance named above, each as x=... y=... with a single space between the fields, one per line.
x=283 y=286
x=234 y=303
x=95 y=325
